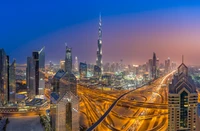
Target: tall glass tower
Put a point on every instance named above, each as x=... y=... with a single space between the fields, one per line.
x=4 y=85
x=12 y=81
x=68 y=60
x=154 y=68
x=99 y=48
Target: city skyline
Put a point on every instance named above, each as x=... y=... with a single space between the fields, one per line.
x=100 y=65
x=171 y=25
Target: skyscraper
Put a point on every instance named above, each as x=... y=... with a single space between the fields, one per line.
x=76 y=64
x=99 y=48
x=83 y=70
x=182 y=102
x=12 y=81
x=42 y=58
x=64 y=112
x=30 y=77
x=35 y=56
x=167 y=65
x=41 y=71
x=154 y=66
x=68 y=60
x=35 y=73
x=4 y=85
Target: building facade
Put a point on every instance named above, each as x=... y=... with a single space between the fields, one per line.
x=154 y=67
x=64 y=112
x=30 y=77
x=76 y=64
x=99 y=61
x=83 y=70
x=62 y=64
x=12 y=82
x=4 y=79
x=68 y=60
x=35 y=73
x=41 y=71
x=182 y=102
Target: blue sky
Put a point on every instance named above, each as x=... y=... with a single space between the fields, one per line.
x=29 y=25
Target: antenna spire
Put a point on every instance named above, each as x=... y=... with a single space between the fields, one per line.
x=182 y=58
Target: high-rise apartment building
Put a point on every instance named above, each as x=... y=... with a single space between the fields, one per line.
x=182 y=102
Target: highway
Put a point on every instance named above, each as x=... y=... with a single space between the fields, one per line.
x=142 y=109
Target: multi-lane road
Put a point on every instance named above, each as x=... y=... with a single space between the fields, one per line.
x=141 y=109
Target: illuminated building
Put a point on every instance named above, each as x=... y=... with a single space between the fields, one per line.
x=68 y=60
x=4 y=85
x=83 y=70
x=167 y=65
x=99 y=48
x=107 y=67
x=12 y=82
x=63 y=82
x=30 y=77
x=76 y=64
x=41 y=71
x=173 y=65
x=64 y=112
x=97 y=71
x=36 y=73
x=35 y=56
x=50 y=64
x=182 y=102
x=106 y=79
x=62 y=64
x=150 y=64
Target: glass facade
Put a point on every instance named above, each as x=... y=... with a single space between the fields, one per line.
x=3 y=78
x=68 y=60
x=183 y=109
x=83 y=70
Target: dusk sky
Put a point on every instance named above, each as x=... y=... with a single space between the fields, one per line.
x=132 y=30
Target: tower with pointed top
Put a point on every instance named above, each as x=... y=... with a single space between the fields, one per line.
x=99 y=48
x=182 y=101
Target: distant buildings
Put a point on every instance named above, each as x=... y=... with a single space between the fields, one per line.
x=97 y=71
x=62 y=64
x=167 y=65
x=68 y=60
x=83 y=70
x=76 y=65
x=99 y=48
x=182 y=102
